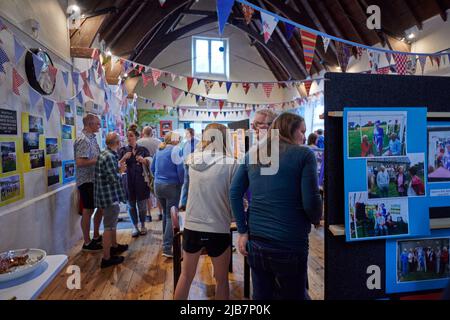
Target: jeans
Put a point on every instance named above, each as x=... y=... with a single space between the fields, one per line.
x=168 y=196
x=133 y=211
x=277 y=273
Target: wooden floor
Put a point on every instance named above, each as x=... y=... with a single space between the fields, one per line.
x=146 y=274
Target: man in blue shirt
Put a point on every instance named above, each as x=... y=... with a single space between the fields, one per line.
x=320 y=139
x=395 y=146
x=190 y=143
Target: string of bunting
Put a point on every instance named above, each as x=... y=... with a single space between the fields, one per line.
x=345 y=48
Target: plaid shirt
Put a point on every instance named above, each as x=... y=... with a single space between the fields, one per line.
x=108 y=187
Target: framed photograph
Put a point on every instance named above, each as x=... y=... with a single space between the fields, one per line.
x=66 y=132
x=438 y=154
x=30 y=141
x=52 y=176
x=37 y=159
x=55 y=161
x=377 y=218
x=68 y=171
x=10 y=188
x=8 y=156
x=165 y=126
x=376 y=134
x=51 y=145
x=396 y=176
x=36 y=124
x=418 y=264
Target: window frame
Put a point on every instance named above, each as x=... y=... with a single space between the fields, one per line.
x=225 y=57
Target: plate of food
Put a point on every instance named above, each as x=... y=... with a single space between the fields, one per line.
x=17 y=263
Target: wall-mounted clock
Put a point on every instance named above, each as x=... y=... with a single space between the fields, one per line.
x=42 y=81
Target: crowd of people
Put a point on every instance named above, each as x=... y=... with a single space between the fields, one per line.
x=273 y=212
x=425 y=259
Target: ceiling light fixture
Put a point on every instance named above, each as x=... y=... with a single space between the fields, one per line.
x=411 y=36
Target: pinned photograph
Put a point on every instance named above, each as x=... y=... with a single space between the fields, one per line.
x=439 y=154
x=377 y=218
x=36 y=124
x=80 y=111
x=9 y=188
x=376 y=134
x=9 y=159
x=37 y=159
x=68 y=171
x=52 y=177
x=423 y=259
x=396 y=176
x=55 y=161
x=51 y=145
x=30 y=141
x=66 y=132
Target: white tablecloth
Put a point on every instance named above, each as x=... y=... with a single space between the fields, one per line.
x=30 y=286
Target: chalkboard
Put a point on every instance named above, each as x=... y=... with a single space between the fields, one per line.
x=8 y=122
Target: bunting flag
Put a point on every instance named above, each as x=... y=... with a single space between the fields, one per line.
x=3 y=59
x=209 y=113
x=400 y=63
x=437 y=59
x=208 y=85
x=52 y=71
x=326 y=43
x=249 y=112
x=96 y=55
x=163 y=86
x=17 y=81
x=33 y=96
x=344 y=54
x=190 y=81
x=246 y=87
x=215 y=113
x=87 y=90
x=269 y=23
x=255 y=84
x=155 y=75
x=140 y=68
x=289 y=30
x=411 y=65
x=146 y=78
x=80 y=97
x=196 y=113
x=374 y=60
x=384 y=70
x=197 y=98
x=161 y=2
x=38 y=64
x=48 y=106
x=248 y=13
x=221 y=103
x=84 y=76
x=220 y=84
x=198 y=81
x=175 y=94
x=19 y=49
x=61 y=108
x=173 y=76
x=183 y=111
x=359 y=52
x=75 y=79
x=99 y=70
x=309 y=47
x=2 y=25
x=65 y=76
x=423 y=62
x=388 y=57
x=223 y=12
x=268 y=87
x=228 y=86
x=307 y=85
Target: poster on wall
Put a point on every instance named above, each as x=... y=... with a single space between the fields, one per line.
x=36 y=124
x=418 y=264
x=8 y=156
x=66 y=132
x=53 y=176
x=69 y=119
x=8 y=122
x=165 y=126
x=55 y=161
x=68 y=171
x=385 y=173
x=37 y=159
x=30 y=141
x=10 y=189
x=51 y=145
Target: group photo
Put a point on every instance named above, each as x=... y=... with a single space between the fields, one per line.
x=376 y=135
x=439 y=154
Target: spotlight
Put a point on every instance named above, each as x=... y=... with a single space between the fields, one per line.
x=109 y=53
x=411 y=36
x=125 y=75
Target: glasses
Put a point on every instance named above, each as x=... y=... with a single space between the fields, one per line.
x=263 y=124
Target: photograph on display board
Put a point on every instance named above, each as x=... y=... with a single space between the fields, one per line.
x=66 y=132
x=9 y=188
x=37 y=159
x=376 y=134
x=439 y=154
x=396 y=176
x=80 y=111
x=52 y=176
x=8 y=122
x=55 y=161
x=36 y=124
x=380 y=218
x=165 y=126
x=68 y=171
x=9 y=158
x=51 y=145
x=30 y=141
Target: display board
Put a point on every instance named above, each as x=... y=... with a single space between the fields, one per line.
x=373 y=269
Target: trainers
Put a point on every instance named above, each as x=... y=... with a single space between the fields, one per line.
x=92 y=247
x=119 y=249
x=99 y=239
x=143 y=231
x=167 y=255
x=135 y=233
x=149 y=218
x=113 y=260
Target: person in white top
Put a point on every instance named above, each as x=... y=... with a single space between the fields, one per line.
x=383 y=180
x=208 y=211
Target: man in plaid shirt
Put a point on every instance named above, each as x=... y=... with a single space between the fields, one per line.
x=108 y=193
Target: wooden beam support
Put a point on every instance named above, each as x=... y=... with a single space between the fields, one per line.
x=119 y=21
x=442 y=9
x=81 y=52
x=357 y=37
x=413 y=14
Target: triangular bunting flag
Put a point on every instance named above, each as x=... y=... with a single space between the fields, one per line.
x=84 y=76
x=65 y=76
x=48 y=106
x=215 y=113
x=326 y=43
x=307 y=85
x=52 y=71
x=96 y=55
x=223 y=12
x=268 y=89
x=400 y=63
x=197 y=98
x=198 y=81
x=423 y=62
x=384 y=70
x=33 y=96
x=175 y=94
x=17 y=81
x=163 y=86
x=437 y=59
x=173 y=76
x=75 y=79
x=374 y=60
x=309 y=47
x=156 y=74
x=61 y=108
x=146 y=78
x=80 y=97
x=208 y=85
x=289 y=30
x=38 y=64
x=248 y=13
x=269 y=23
x=196 y=113
x=209 y=113
x=228 y=86
x=246 y=87
x=221 y=103
x=87 y=90
x=161 y=2
x=359 y=52
x=344 y=53
x=3 y=59
x=411 y=65
x=2 y=25
x=19 y=49
x=249 y=112
x=255 y=84
x=190 y=81
x=220 y=84
x=388 y=57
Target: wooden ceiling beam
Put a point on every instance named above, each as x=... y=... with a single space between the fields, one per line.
x=352 y=31
x=413 y=14
x=442 y=9
x=119 y=20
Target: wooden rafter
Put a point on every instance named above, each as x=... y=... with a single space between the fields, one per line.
x=442 y=9
x=351 y=31
x=413 y=14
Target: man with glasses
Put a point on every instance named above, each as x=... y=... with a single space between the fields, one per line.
x=262 y=121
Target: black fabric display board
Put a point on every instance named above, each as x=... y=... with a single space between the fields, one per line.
x=346 y=263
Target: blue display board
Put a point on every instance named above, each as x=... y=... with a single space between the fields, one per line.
x=385 y=169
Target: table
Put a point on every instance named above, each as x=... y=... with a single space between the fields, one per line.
x=30 y=286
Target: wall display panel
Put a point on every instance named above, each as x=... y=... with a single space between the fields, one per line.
x=33 y=141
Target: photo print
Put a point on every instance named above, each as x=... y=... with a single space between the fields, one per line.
x=66 y=132
x=30 y=141
x=55 y=161
x=36 y=124
x=376 y=134
x=68 y=171
x=52 y=177
x=9 y=188
x=69 y=118
x=37 y=159
x=51 y=145
x=438 y=154
x=9 y=158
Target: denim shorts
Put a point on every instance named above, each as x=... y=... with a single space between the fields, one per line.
x=110 y=217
